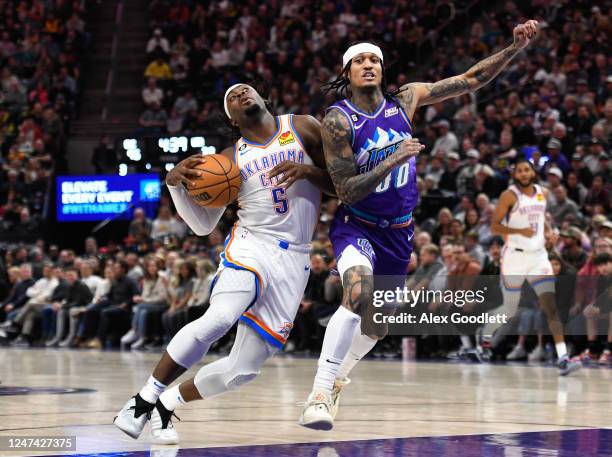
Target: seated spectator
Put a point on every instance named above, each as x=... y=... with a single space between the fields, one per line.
x=165 y=224
x=149 y=307
x=140 y=226
x=447 y=140
x=38 y=295
x=21 y=279
x=473 y=248
x=186 y=104
x=429 y=265
x=135 y=271
x=572 y=251
x=181 y=290
x=159 y=70
x=154 y=119
x=78 y=294
x=158 y=43
x=152 y=94
x=598 y=195
x=199 y=301
x=600 y=310
x=563 y=207
x=77 y=333
x=116 y=307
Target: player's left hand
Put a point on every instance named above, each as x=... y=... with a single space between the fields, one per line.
x=290 y=172
x=523 y=33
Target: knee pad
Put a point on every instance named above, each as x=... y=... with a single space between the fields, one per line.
x=237 y=380
x=233 y=280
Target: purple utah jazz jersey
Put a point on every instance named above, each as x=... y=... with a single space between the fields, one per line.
x=376 y=137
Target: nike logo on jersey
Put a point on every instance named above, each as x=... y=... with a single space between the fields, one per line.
x=331 y=361
x=357 y=127
x=306 y=268
x=244 y=151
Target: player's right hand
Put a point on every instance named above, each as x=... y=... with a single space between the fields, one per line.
x=409 y=148
x=527 y=232
x=184 y=170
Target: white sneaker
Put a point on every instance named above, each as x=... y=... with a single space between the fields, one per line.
x=339 y=384
x=517 y=353
x=133 y=416
x=537 y=355
x=129 y=337
x=139 y=344
x=316 y=413
x=162 y=430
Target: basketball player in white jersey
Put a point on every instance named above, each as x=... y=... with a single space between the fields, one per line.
x=520 y=217
x=264 y=267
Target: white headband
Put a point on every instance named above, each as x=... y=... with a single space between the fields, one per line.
x=359 y=49
x=225 y=98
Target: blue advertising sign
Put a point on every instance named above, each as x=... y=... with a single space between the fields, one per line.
x=97 y=197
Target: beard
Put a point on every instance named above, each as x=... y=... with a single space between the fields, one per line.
x=525 y=183
x=253 y=110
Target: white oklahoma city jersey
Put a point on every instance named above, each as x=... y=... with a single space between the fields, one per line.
x=529 y=211
x=273 y=233
x=264 y=206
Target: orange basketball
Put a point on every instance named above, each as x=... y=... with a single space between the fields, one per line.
x=219 y=184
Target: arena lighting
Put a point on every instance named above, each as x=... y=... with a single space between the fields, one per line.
x=123 y=169
x=169 y=166
x=132 y=150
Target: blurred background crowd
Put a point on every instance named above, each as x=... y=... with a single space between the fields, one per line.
x=42 y=44
x=552 y=104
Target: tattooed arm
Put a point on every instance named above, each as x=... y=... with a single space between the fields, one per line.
x=351 y=187
x=414 y=95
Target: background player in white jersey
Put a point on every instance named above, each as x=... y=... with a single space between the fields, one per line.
x=520 y=217
x=264 y=267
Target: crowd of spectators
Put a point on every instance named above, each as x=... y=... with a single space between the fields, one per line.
x=196 y=51
x=552 y=104
x=41 y=46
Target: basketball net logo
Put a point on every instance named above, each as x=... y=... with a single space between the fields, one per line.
x=286 y=138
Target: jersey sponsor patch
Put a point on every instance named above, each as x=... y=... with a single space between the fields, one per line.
x=286 y=138
x=391 y=111
x=540 y=198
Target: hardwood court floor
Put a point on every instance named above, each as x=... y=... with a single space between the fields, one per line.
x=385 y=400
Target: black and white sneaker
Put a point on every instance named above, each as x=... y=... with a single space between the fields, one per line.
x=133 y=416
x=162 y=429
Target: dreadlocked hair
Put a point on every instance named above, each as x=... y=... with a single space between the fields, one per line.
x=225 y=126
x=342 y=85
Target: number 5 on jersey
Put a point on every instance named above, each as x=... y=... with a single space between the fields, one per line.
x=281 y=205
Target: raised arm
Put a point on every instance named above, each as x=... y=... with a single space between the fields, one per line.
x=414 y=95
x=351 y=187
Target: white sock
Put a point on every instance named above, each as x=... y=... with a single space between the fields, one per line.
x=360 y=346
x=152 y=390
x=561 y=349
x=466 y=342
x=336 y=344
x=172 y=398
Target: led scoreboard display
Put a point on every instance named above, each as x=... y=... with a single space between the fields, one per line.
x=97 y=197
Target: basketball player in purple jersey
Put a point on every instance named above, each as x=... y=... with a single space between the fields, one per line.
x=369 y=150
